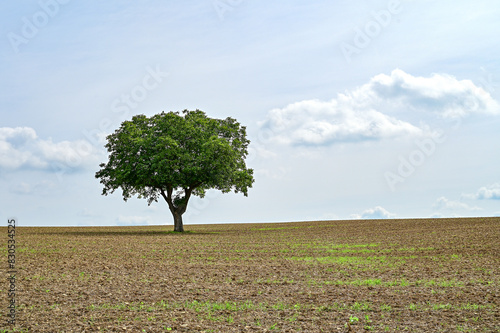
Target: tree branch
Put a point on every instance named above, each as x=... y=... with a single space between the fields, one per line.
x=194 y=185
x=168 y=197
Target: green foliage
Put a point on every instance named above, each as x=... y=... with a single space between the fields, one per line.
x=385 y=307
x=175 y=156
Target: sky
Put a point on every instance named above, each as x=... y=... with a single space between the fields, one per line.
x=354 y=109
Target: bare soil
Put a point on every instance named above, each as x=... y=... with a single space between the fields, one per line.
x=415 y=275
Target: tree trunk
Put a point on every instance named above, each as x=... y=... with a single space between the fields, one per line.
x=179 y=209
x=178 y=226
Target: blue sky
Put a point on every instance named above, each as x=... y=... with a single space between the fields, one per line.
x=355 y=109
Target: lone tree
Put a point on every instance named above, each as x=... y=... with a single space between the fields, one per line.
x=175 y=156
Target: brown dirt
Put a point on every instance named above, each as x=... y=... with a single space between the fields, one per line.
x=418 y=275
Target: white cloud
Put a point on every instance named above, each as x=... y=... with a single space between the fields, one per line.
x=491 y=192
x=374 y=213
x=20 y=147
x=322 y=123
x=357 y=115
x=444 y=203
x=441 y=93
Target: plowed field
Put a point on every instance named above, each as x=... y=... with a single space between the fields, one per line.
x=415 y=275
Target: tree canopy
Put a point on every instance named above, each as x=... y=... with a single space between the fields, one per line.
x=175 y=155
